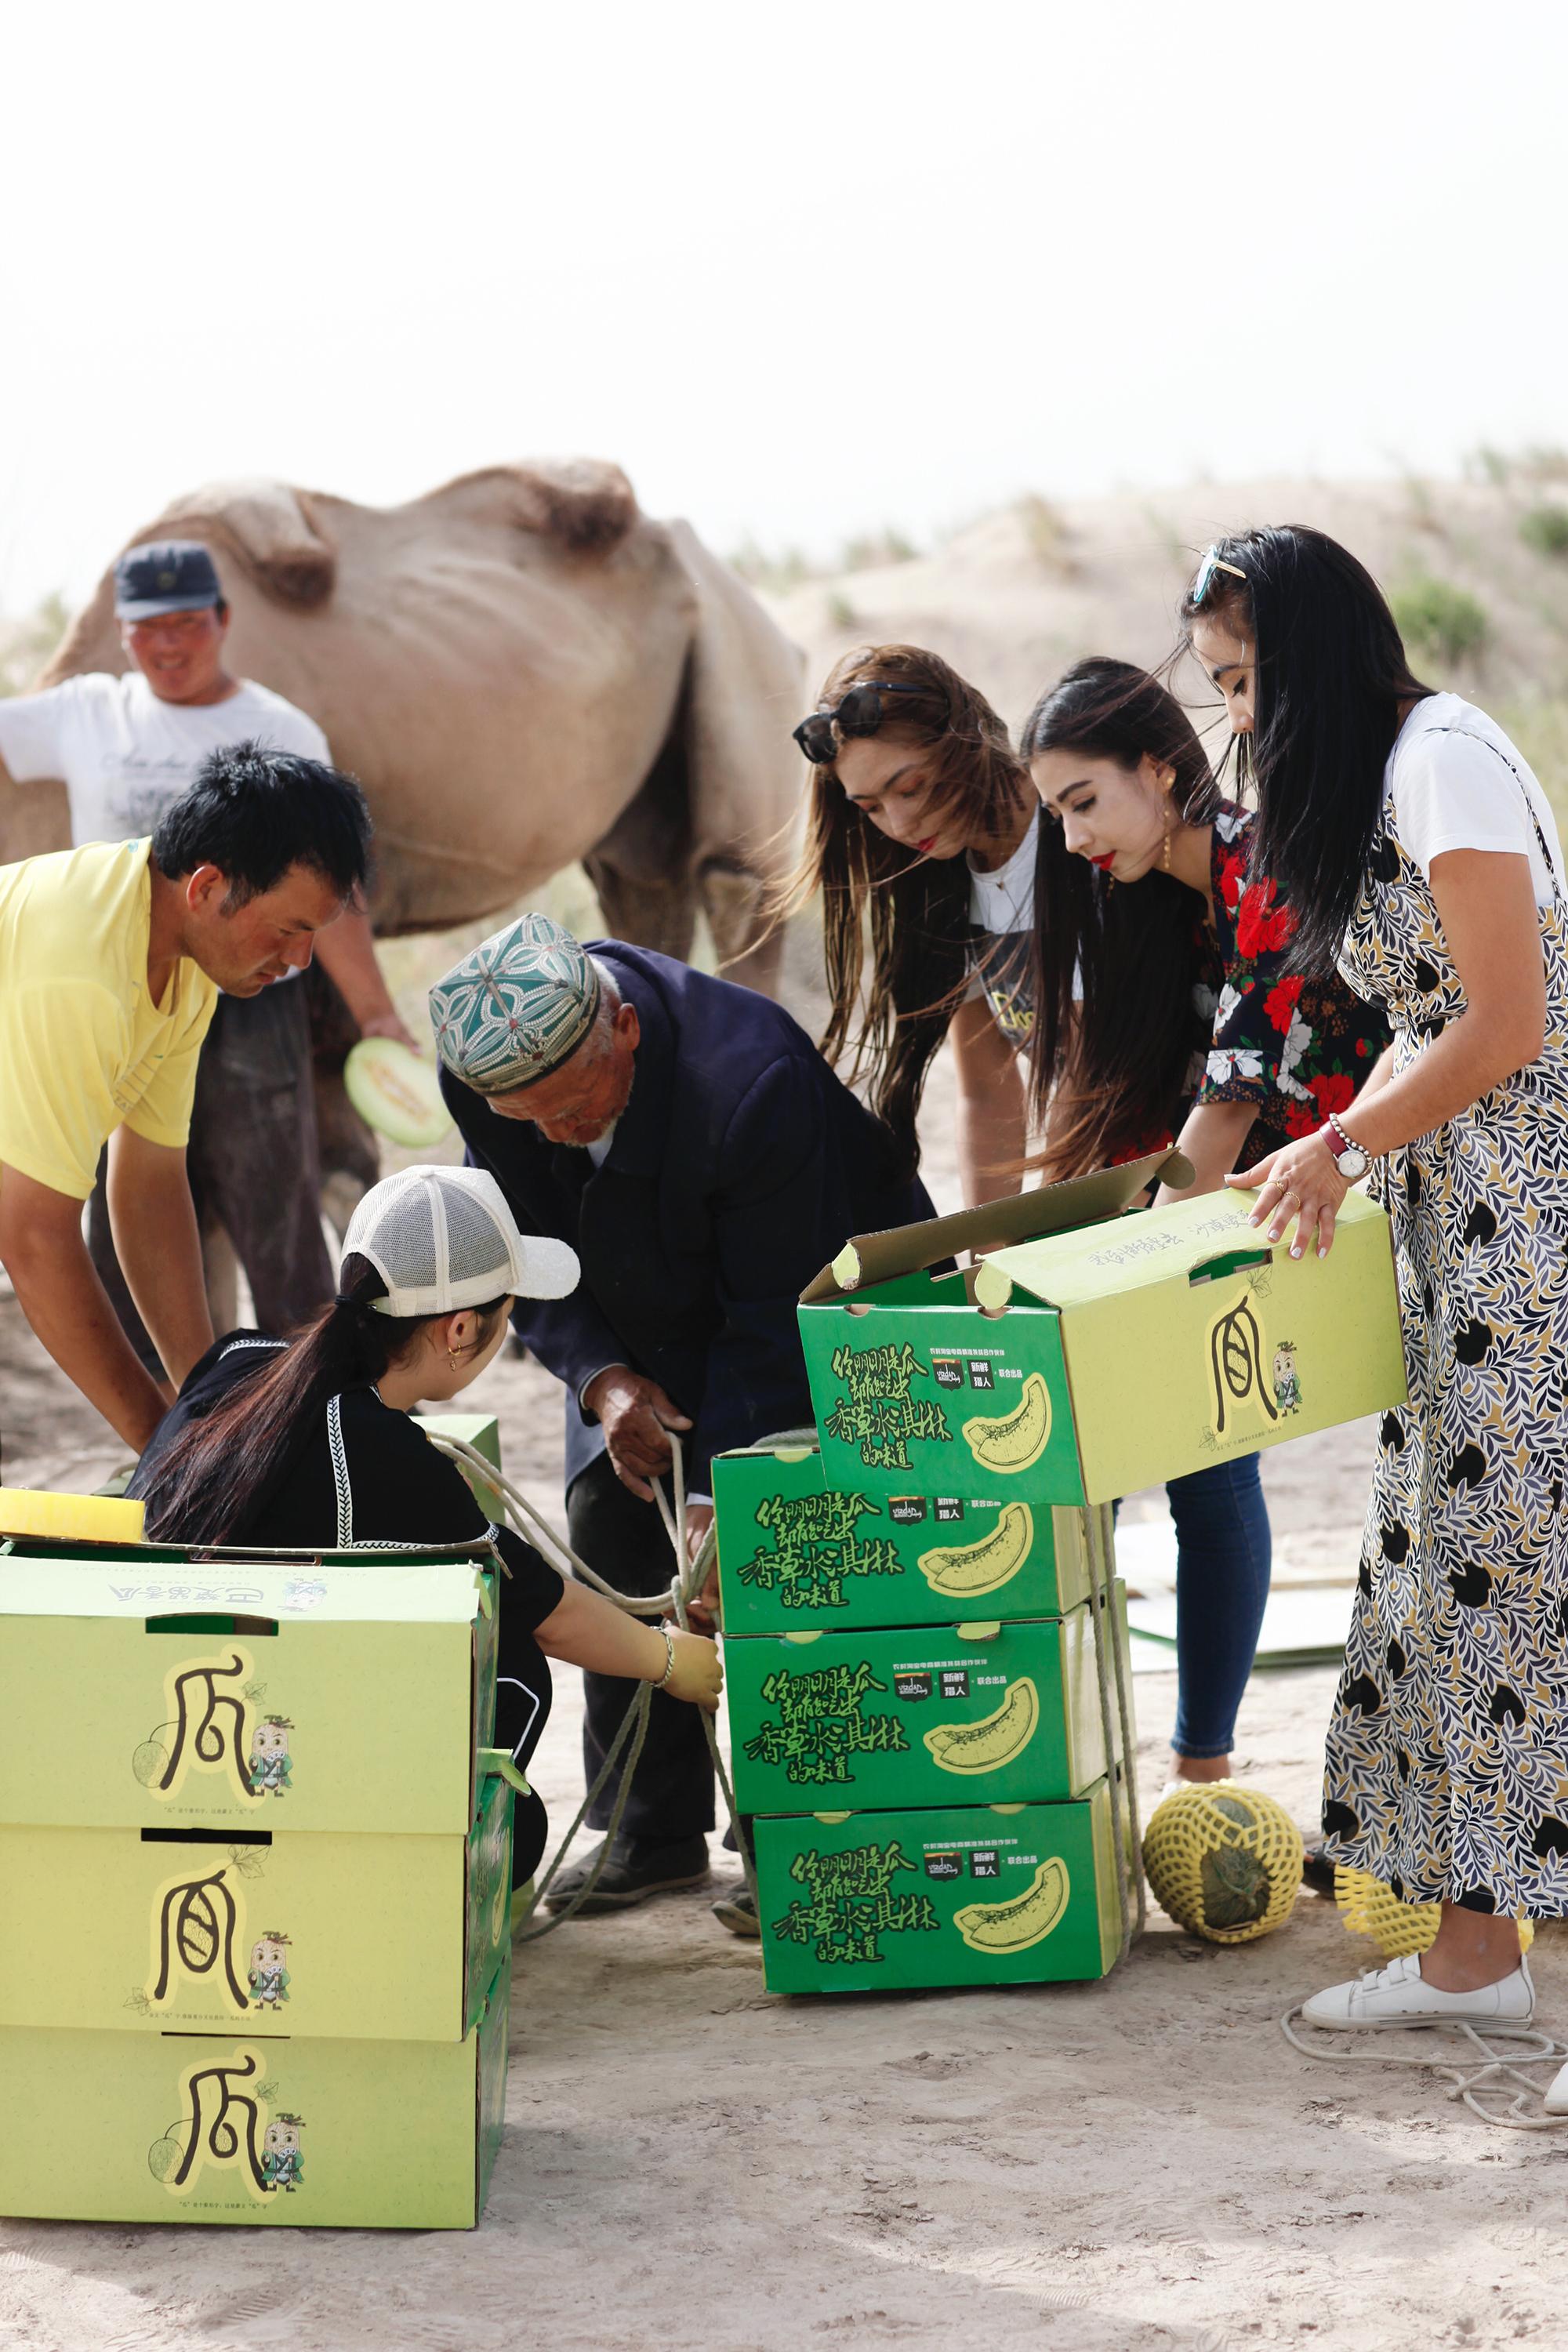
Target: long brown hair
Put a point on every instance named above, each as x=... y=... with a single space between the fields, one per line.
x=915 y=909
x=217 y=1476
x=1114 y=969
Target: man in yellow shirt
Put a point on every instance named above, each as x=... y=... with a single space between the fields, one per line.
x=111 y=958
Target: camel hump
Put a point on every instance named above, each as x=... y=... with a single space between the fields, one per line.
x=585 y=505
x=271 y=531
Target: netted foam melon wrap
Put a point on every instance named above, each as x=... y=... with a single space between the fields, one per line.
x=1368 y=1908
x=1224 y=1860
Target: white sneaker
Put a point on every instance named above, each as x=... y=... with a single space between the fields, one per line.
x=1557 y=2095
x=1398 y=1995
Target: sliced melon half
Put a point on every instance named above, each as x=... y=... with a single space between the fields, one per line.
x=397 y=1093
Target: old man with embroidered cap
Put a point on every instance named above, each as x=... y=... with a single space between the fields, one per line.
x=686 y=1138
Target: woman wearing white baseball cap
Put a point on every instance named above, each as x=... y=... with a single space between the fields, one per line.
x=308 y=1442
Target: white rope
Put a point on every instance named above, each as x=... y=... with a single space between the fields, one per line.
x=1111 y=1674
x=690 y=1575
x=1488 y=2072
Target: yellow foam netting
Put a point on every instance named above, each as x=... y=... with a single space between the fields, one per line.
x=1224 y=1861
x=1368 y=1908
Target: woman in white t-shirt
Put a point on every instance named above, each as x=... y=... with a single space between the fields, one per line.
x=922 y=829
x=1417 y=849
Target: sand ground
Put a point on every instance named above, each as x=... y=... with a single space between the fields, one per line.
x=689 y=2163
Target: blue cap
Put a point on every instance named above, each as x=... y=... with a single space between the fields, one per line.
x=169 y=575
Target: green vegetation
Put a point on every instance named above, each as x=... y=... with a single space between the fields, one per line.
x=1438 y=622
x=842 y=613
x=779 y=572
x=875 y=549
x=1545 y=528
x=1046 y=530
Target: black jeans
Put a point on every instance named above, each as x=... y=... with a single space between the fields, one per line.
x=253 y=1163
x=672 y=1790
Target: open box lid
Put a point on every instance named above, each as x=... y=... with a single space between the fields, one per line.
x=1195 y=1241
x=1082 y=1200
x=445 y=1593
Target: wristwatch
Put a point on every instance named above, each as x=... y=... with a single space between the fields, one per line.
x=1352 y=1159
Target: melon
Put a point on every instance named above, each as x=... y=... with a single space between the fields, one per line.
x=397 y=1093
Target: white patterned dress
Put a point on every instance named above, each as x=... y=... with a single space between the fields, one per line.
x=1447 y=1767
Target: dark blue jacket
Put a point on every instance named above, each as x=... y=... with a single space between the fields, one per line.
x=740 y=1166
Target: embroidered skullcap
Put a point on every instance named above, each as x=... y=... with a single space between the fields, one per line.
x=516 y=1008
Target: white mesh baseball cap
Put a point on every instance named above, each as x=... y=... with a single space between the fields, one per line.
x=441 y=1238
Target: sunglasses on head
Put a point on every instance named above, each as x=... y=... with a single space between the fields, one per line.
x=1212 y=563
x=857 y=712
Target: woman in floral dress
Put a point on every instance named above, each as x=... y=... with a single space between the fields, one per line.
x=1163 y=1003
x=1417 y=848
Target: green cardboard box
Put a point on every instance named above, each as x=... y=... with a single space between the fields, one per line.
x=1102 y=1355
x=317 y=1697
x=311 y=1933
x=482 y=1432
x=974 y=1894
x=792 y=1555
x=971 y=1714
x=251 y=2127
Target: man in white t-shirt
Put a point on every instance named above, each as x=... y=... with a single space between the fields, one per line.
x=125 y=749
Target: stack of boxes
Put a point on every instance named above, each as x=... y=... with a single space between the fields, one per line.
x=255 y=1848
x=925 y=1678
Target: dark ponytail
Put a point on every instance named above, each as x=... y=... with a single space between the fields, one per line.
x=220 y=1473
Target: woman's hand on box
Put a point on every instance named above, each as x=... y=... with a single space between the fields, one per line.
x=1300 y=1182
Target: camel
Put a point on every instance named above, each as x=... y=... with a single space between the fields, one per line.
x=522 y=669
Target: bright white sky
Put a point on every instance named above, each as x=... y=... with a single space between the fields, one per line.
x=804 y=268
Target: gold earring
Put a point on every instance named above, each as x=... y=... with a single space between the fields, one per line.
x=1165 y=851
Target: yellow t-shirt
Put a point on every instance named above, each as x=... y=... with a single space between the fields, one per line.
x=83 y=1048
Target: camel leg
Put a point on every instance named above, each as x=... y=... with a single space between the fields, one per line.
x=642 y=868
x=749 y=944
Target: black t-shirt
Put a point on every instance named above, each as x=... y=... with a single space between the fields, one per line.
x=367 y=1480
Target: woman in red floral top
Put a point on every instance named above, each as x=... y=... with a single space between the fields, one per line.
x=1291 y=1049
x=1164 y=1006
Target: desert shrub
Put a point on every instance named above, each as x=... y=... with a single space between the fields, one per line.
x=780 y=570
x=1438 y=622
x=874 y=549
x=1545 y=528
x=841 y=613
x=1046 y=531
x=1486 y=464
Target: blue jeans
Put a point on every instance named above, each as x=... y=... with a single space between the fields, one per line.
x=1224 y=1553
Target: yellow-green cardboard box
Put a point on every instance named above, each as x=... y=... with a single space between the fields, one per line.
x=252 y=2127
x=141 y=1693
x=366 y=1935
x=1099 y=1352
